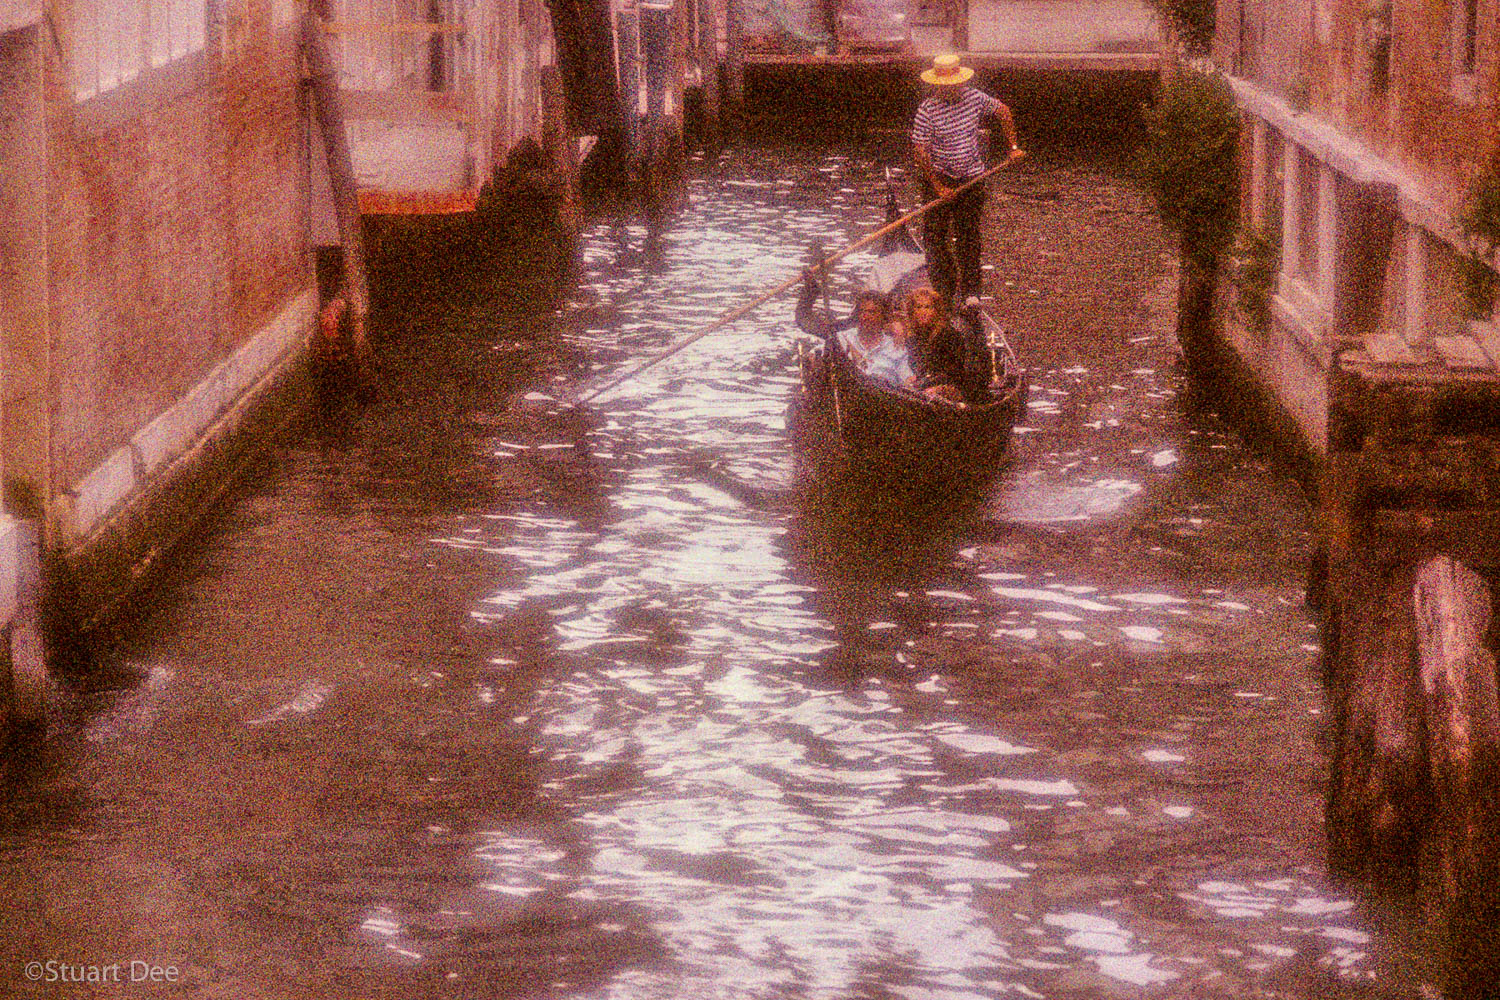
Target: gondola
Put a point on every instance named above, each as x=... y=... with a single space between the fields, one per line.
x=846 y=426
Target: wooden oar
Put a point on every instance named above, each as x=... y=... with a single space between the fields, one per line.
x=765 y=297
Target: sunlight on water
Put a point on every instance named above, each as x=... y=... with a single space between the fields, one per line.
x=792 y=832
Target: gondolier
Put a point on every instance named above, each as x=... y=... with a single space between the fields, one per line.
x=945 y=139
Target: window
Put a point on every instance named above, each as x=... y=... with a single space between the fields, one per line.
x=115 y=41
x=1309 y=181
x=1465 y=48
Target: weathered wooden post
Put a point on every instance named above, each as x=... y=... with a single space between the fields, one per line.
x=628 y=36
x=734 y=63
x=327 y=108
x=708 y=67
x=1406 y=597
x=1462 y=719
x=561 y=151
x=656 y=51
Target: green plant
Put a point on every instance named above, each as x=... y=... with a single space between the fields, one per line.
x=1192 y=20
x=1479 y=219
x=1257 y=258
x=1189 y=162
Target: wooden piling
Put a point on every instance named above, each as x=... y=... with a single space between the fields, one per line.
x=628 y=38
x=734 y=63
x=560 y=149
x=1410 y=535
x=328 y=110
x=708 y=67
x=656 y=57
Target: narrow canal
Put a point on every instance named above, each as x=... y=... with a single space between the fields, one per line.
x=468 y=698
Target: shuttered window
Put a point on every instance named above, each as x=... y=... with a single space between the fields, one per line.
x=115 y=41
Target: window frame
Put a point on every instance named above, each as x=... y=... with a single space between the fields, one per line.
x=1463 y=49
x=116 y=44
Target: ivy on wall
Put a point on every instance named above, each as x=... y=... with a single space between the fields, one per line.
x=1189 y=162
x=1257 y=259
x=1192 y=20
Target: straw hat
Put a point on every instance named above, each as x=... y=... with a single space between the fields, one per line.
x=947 y=70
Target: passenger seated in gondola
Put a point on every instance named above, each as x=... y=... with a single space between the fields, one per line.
x=937 y=349
x=864 y=338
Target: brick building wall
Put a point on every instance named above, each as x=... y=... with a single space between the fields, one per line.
x=138 y=256
x=1318 y=57
x=178 y=221
x=1437 y=130
x=267 y=169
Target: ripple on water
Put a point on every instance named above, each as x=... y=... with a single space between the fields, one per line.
x=790 y=832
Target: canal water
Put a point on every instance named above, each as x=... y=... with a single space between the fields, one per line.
x=471 y=695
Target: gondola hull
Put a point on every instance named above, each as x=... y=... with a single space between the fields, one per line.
x=846 y=428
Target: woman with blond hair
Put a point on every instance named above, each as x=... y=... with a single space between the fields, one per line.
x=937 y=350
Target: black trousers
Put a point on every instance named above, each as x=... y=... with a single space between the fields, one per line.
x=954 y=270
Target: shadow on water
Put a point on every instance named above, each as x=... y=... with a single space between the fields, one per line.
x=869 y=553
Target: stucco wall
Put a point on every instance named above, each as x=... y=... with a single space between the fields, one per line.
x=177 y=217
x=1318 y=55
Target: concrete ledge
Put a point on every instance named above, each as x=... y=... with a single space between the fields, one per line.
x=130 y=468
x=103 y=566
x=172 y=433
x=1138 y=62
x=19 y=13
x=99 y=492
x=1050 y=26
x=1351 y=158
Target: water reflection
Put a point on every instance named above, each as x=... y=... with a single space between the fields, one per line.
x=494 y=699
x=836 y=752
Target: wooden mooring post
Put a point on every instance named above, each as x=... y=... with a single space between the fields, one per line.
x=1406 y=588
x=328 y=111
x=708 y=68
x=733 y=109
x=661 y=167
x=627 y=35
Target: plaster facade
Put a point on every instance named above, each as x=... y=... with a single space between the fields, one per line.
x=156 y=275
x=1366 y=127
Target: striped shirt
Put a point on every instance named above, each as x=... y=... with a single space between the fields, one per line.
x=951 y=132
